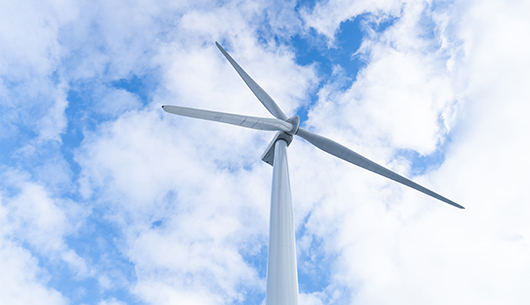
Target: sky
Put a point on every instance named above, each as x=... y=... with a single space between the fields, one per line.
x=105 y=199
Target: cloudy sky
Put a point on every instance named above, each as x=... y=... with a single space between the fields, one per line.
x=107 y=200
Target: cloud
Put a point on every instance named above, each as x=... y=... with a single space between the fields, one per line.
x=176 y=226
x=23 y=281
x=29 y=79
x=190 y=237
x=116 y=102
x=403 y=97
x=41 y=221
x=167 y=209
x=326 y=16
x=34 y=228
x=111 y=301
x=396 y=246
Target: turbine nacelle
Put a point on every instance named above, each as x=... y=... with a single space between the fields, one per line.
x=268 y=155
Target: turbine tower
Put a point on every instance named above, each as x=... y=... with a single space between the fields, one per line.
x=282 y=276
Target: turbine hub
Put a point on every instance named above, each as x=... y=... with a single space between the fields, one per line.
x=295 y=121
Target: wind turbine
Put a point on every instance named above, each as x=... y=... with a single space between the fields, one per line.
x=282 y=277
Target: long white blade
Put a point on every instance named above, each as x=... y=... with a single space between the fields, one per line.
x=262 y=96
x=234 y=119
x=348 y=155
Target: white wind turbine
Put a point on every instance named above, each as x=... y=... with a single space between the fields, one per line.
x=282 y=277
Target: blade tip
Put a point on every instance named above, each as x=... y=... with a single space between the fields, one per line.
x=219 y=46
x=458 y=206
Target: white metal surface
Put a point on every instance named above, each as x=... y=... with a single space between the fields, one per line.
x=268 y=154
x=349 y=155
x=233 y=119
x=282 y=276
x=262 y=96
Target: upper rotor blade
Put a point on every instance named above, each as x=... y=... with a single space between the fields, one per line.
x=234 y=119
x=264 y=98
x=346 y=154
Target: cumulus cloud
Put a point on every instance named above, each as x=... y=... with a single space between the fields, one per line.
x=23 y=281
x=111 y=301
x=29 y=216
x=29 y=79
x=177 y=209
x=326 y=16
x=470 y=86
x=39 y=219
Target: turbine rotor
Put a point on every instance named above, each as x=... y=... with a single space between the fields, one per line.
x=287 y=127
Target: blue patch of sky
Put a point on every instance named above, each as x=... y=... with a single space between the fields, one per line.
x=429 y=28
x=441 y=5
x=96 y=243
x=314 y=267
x=79 y=120
x=156 y=224
x=236 y=165
x=380 y=25
x=33 y=160
x=420 y=164
x=311 y=48
x=142 y=86
x=258 y=261
x=252 y=298
x=19 y=134
x=73 y=135
x=83 y=117
x=18 y=128
x=307 y=5
x=86 y=289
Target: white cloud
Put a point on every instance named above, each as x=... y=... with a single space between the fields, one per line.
x=117 y=101
x=185 y=175
x=326 y=16
x=156 y=174
x=22 y=280
x=111 y=301
x=385 y=238
x=190 y=198
x=310 y=299
x=35 y=218
x=403 y=97
x=31 y=217
x=29 y=57
x=397 y=246
x=140 y=169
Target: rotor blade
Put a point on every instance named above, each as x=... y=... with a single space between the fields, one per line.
x=262 y=96
x=348 y=155
x=234 y=119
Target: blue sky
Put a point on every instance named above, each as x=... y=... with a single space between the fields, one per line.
x=107 y=200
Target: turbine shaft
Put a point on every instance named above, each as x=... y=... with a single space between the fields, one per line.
x=262 y=96
x=348 y=155
x=233 y=119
